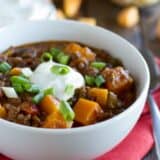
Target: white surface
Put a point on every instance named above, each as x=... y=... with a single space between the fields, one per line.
x=17 y=10
x=27 y=143
x=44 y=78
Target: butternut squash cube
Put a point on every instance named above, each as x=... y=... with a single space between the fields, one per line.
x=49 y=104
x=2 y=112
x=100 y=95
x=56 y=120
x=15 y=71
x=118 y=80
x=73 y=48
x=88 y=54
x=84 y=52
x=86 y=111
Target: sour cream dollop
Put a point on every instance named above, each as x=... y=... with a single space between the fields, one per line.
x=44 y=78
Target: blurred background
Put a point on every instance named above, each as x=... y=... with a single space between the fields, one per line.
x=132 y=19
x=135 y=20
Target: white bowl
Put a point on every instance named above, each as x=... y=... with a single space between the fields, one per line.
x=27 y=143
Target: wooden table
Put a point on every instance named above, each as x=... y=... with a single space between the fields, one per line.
x=106 y=13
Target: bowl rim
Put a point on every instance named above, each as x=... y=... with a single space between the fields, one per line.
x=143 y=91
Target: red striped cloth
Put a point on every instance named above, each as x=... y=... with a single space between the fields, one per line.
x=137 y=144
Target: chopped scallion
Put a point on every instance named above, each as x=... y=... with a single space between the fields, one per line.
x=59 y=70
x=18 y=87
x=59 y=56
x=69 y=89
x=99 y=80
x=31 y=88
x=22 y=84
x=89 y=80
x=19 y=79
x=98 y=65
x=4 y=67
x=55 y=52
x=66 y=111
x=37 y=98
x=64 y=59
x=49 y=91
x=9 y=92
x=46 y=57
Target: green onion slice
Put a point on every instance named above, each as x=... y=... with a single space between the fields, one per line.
x=89 y=80
x=59 y=70
x=66 y=111
x=22 y=84
x=18 y=88
x=55 y=52
x=59 y=56
x=9 y=92
x=19 y=79
x=69 y=89
x=46 y=57
x=37 y=98
x=98 y=65
x=4 y=67
x=31 y=88
x=49 y=91
x=19 y=83
x=64 y=59
x=99 y=80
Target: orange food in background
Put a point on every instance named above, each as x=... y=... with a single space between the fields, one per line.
x=88 y=20
x=71 y=7
x=60 y=14
x=128 y=17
